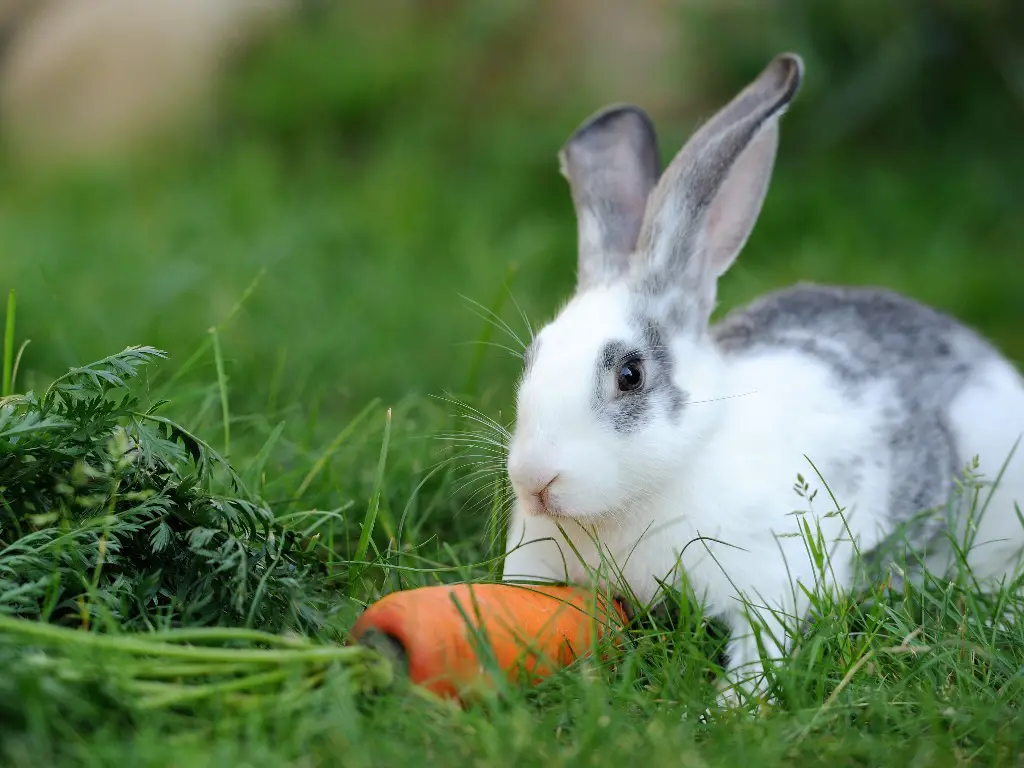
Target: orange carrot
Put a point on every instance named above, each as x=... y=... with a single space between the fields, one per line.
x=531 y=628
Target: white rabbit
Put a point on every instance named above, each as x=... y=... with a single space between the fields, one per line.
x=660 y=442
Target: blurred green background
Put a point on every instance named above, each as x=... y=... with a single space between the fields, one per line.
x=381 y=160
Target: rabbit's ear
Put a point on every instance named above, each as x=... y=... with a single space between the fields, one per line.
x=612 y=164
x=705 y=206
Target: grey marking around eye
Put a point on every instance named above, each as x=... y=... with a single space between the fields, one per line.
x=656 y=342
x=631 y=411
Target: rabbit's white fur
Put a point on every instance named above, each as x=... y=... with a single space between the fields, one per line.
x=702 y=479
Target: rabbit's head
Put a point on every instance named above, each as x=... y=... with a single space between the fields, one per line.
x=604 y=410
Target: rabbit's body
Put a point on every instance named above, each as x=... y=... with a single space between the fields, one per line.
x=918 y=394
x=888 y=398
x=660 y=443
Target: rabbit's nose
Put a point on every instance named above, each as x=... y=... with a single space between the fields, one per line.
x=529 y=479
x=543 y=494
x=536 y=487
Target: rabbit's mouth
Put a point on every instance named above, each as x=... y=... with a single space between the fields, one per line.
x=559 y=511
x=543 y=503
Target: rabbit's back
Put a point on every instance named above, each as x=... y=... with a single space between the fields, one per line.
x=863 y=335
x=928 y=364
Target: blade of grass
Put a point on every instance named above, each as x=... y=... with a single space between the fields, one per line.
x=8 y=380
x=222 y=384
x=378 y=482
x=17 y=364
x=204 y=345
x=260 y=462
x=331 y=449
x=496 y=543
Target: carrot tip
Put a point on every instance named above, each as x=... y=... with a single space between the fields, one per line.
x=388 y=646
x=432 y=632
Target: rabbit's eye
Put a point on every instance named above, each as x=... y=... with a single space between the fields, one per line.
x=631 y=376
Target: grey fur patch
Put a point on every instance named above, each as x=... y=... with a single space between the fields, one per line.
x=629 y=412
x=844 y=476
x=655 y=341
x=866 y=336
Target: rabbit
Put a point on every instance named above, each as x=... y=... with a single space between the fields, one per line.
x=650 y=445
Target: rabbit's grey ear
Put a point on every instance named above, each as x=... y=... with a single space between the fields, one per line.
x=612 y=164
x=705 y=206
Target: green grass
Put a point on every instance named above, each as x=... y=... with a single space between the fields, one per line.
x=304 y=271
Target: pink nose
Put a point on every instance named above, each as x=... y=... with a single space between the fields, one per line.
x=531 y=479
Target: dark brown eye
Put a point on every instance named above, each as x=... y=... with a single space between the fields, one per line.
x=631 y=376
